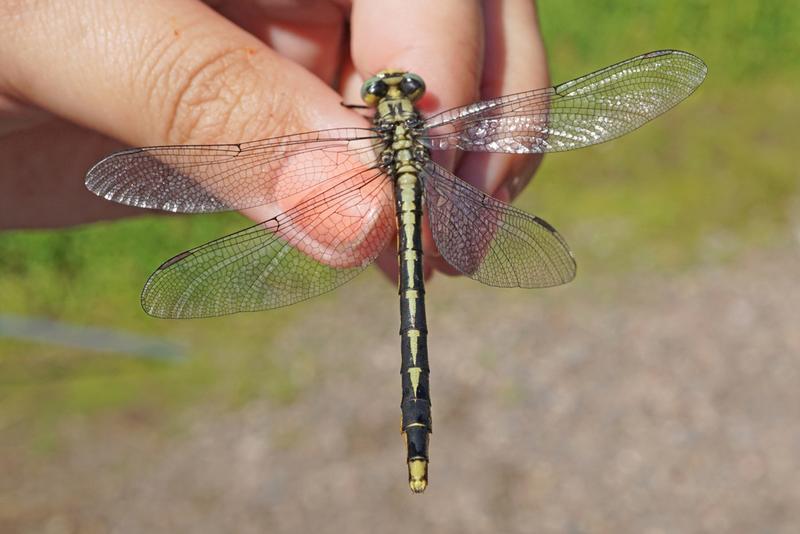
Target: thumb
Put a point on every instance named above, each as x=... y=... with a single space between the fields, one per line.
x=152 y=72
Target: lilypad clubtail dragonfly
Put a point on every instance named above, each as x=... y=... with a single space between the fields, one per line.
x=335 y=192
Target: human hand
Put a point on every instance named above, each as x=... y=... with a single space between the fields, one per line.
x=74 y=76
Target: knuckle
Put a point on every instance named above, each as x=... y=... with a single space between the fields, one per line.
x=206 y=96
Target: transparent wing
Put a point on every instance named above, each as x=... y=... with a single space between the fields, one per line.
x=320 y=244
x=491 y=241
x=585 y=111
x=209 y=178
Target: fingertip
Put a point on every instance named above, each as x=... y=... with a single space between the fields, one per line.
x=449 y=61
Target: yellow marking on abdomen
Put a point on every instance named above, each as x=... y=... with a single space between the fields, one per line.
x=413 y=373
x=413 y=339
x=410 y=255
x=412 y=295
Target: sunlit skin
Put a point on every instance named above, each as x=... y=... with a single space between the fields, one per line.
x=181 y=72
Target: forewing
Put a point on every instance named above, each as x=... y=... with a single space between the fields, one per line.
x=491 y=241
x=588 y=110
x=210 y=178
x=320 y=244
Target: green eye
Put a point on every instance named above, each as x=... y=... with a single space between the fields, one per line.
x=373 y=90
x=412 y=86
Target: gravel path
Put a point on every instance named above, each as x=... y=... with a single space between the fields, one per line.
x=661 y=405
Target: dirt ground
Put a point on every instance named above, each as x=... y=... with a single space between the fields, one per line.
x=647 y=405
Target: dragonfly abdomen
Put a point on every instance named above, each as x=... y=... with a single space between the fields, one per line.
x=415 y=403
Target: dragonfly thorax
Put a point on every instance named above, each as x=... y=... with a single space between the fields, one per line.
x=397 y=120
x=403 y=151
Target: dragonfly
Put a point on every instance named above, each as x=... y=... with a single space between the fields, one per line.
x=332 y=200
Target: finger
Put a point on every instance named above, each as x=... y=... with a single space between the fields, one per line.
x=441 y=41
x=309 y=32
x=515 y=61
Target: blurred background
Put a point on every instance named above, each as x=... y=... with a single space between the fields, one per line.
x=659 y=392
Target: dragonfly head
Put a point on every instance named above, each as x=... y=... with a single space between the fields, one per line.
x=392 y=84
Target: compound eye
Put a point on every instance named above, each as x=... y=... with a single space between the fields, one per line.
x=412 y=86
x=373 y=90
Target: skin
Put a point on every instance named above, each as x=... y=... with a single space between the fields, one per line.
x=83 y=78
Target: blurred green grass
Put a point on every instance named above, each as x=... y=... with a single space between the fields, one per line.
x=710 y=180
